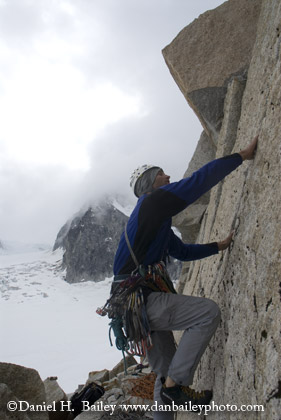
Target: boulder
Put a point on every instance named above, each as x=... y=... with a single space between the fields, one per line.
x=6 y=396
x=98 y=376
x=112 y=383
x=122 y=388
x=208 y=52
x=55 y=395
x=26 y=385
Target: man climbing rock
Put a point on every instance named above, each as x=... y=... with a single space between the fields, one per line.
x=144 y=246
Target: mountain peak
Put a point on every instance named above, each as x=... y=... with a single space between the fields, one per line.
x=90 y=240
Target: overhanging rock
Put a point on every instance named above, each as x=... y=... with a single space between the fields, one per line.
x=207 y=53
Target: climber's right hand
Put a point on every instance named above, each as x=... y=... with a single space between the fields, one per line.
x=226 y=242
x=249 y=152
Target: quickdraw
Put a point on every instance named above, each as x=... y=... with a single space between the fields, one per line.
x=126 y=308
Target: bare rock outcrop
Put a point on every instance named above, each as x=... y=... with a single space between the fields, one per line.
x=56 y=398
x=208 y=52
x=6 y=396
x=189 y=220
x=122 y=389
x=21 y=384
x=90 y=241
x=242 y=363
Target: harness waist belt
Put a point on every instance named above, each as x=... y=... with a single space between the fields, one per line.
x=120 y=277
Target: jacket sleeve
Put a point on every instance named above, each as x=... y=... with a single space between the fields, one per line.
x=191 y=188
x=169 y=200
x=190 y=252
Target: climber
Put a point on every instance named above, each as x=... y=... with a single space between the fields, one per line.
x=149 y=239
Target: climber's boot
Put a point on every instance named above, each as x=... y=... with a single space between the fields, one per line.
x=183 y=395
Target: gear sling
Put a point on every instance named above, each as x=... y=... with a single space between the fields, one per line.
x=126 y=305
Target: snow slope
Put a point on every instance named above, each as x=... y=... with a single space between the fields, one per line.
x=50 y=325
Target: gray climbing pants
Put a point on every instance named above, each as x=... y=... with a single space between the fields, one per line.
x=198 y=317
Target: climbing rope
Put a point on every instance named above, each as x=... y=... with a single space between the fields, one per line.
x=126 y=307
x=121 y=341
x=143 y=387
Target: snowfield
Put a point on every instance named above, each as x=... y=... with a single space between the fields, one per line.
x=50 y=325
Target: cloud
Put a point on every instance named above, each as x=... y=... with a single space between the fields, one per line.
x=36 y=201
x=57 y=129
x=85 y=97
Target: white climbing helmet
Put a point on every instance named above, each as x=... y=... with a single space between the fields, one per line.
x=138 y=173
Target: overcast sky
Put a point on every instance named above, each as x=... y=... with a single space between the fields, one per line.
x=85 y=97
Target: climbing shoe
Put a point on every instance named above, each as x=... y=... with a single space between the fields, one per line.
x=183 y=395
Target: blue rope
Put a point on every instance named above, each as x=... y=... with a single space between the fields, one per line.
x=121 y=342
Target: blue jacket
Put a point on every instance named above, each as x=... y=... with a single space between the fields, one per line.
x=149 y=226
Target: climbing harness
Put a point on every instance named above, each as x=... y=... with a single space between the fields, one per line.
x=126 y=306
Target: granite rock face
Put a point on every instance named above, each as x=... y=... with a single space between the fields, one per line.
x=242 y=362
x=208 y=53
x=189 y=220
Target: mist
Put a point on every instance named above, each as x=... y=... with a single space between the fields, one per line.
x=85 y=97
